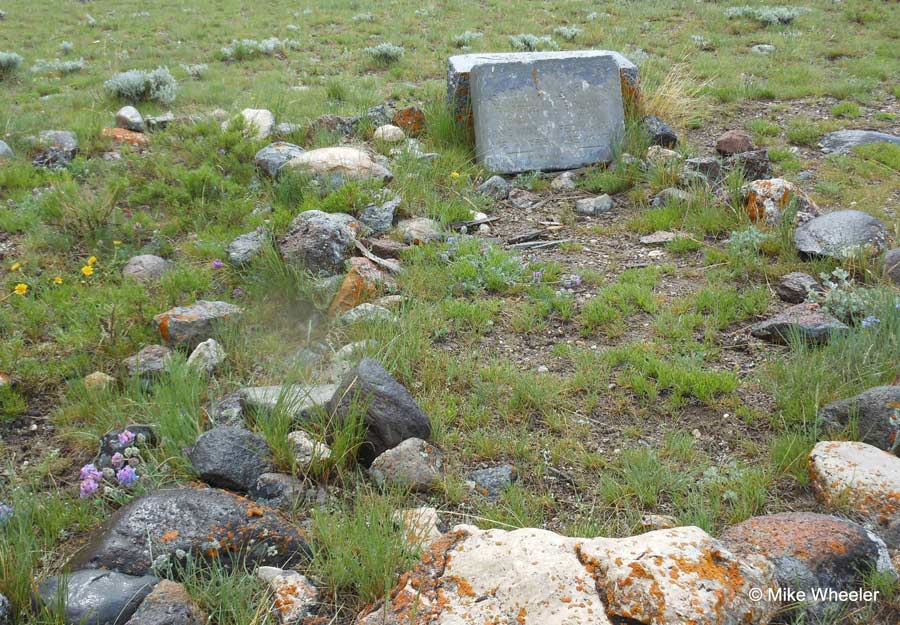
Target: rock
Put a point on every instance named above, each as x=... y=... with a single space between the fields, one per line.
x=413 y=464
x=492 y=481
x=148 y=362
x=298 y=400
x=596 y=205
x=226 y=410
x=807 y=322
x=159 y=122
x=319 y=242
x=207 y=356
x=98 y=381
x=767 y=199
x=146 y=268
x=379 y=216
x=472 y=576
x=58 y=148
x=796 y=286
x=258 y=123
x=522 y=198
x=293 y=596
x=190 y=325
x=670 y=194
x=755 y=164
x=662 y=156
x=338 y=164
x=708 y=166
x=201 y=522
x=285 y=129
x=111 y=444
x=168 y=604
x=421 y=525
x=389 y=134
x=92 y=597
x=847 y=474
x=272 y=158
x=763 y=48
x=841 y=234
x=420 y=230
x=873 y=412
x=892 y=266
x=6 y=612
x=122 y=135
x=460 y=67
x=495 y=186
x=411 y=119
x=564 y=182
x=387 y=248
x=277 y=490
x=230 y=457
x=361 y=284
x=660 y=237
x=511 y=112
x=307 y=450
x=5 y=151
x=660 y=132
x=734 y=141
x=811 y=551
x=843 y=141
x=245 y=247
x=652 y=522
x=366 y=312
x=390 y=416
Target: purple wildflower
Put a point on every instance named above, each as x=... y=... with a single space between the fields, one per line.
x=125 y=437
x=90 y=473
x=127 y=476
x=870 y=321
x=6 y=513
x=117 y=460
x=217 y=264
x=537 y=275
x=88 y=488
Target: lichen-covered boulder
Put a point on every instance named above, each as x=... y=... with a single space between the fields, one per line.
x=841 y=234
x=320 y=242
x=766 y=200
x=338 y=164
x=190 y=325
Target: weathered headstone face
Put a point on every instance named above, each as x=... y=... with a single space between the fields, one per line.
x=546 y=114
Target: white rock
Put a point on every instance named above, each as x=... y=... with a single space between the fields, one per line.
x=339 y=163
x=297 y=399
x=207 y=356
x=293 y=596
x=563 y=182
x=130 y=118
x=660 y=155
x=366 y=312
x=306 y=449
x=389 y=134
x=420 y=524
x=258 y=123
x=594 y=205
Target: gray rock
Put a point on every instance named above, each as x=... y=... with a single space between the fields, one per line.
x=807 y=322
x=892 y=265
x=420 y=230
x=492 y=481
x=755 y=163
x=245 y=247
x=733 y=142
x=594 y=205
x=810 y=551
x=319 y=242
x=168 y=604
x=159 y=122
x=5 y=151
x=519 y=128
x=190 y=325
x=660 y=237
x=226 y=410
x=278 y=490
x=59 y=147
x=379 y=217
x=874 y=413
x=495 y=186
x=297 y=400
x=390 y=414
x=413 y=464
x=6 y=613
x=660 y=132
x=150 y=361
x=271 y=158
x=564 y=182
x=795 y=287
x=145 y=267
x=843 y=141
x=94 y=597
x=336 y=165
x=671 y=194
x=145 y=436
x=197 y=521
x=708 y=166
x=130 y=118
x=231 y=457
x=366 y=312
x=522 y=198
x=207 y=356
x=840 y=234
x=307 y=449
x=763 y=48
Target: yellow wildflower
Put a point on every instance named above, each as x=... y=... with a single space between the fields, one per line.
x=21 y=289
x=91 y=261
x=87 y=270
x=454 y=174
x=15 y=266
x=57 y=280
x=117 y=243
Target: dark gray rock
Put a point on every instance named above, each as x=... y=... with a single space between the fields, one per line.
x=379 y=217
x=874 y=411
x=492 y=481
x=145 y=267
x=390 y=414
x=201 y=522
x=130 y=118
x=660 y=132
x=755 y=164
x=168 y=604
x=840 y=234
x=5 y=151
x=245 y=247
x=231 y=457
x=144 y=436
x=808 y=322
x=277 y=490
x=843 y=141
x=188 y=326
x=319 y=242
x=58 y=148
x=6 y=612
x=795 y=287
x=413 y=464
x=150 y=361
x=93 y=597
x=708 y=166
x=495 y=186
x=226 y=410
x=811 y=551
x=271 y=158
x=892 y=265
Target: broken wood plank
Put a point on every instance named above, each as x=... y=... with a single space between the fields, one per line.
x=536 y=245
x=381 y=262
x=526 y=236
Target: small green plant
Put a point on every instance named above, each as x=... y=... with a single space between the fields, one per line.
x=568 y=33
x=466 y=39
x=66 y=48
x=138 y=85
x=848 y=110
x=385 y=53
x=846 y=300
x=803 y=131
x=532 y=43
x=475 y=268
x=9 y=63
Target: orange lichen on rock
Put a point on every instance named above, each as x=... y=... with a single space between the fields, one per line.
x=411 y=119
x=121 y=135
x=361 y=284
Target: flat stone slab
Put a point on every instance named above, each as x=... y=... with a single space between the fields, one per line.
x=807 y=322
x=546 y=113
x=297 y=399
x=841 y=234
x=843 y=141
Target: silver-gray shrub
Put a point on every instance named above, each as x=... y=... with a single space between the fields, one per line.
x=9 y=62
x=569 y=33
x=58 y=66
x=137 y=85
x=531 y=43
x=242 y=49
x=385 y=53
x=766 y=14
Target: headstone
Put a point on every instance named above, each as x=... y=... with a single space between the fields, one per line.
x=546 y=114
